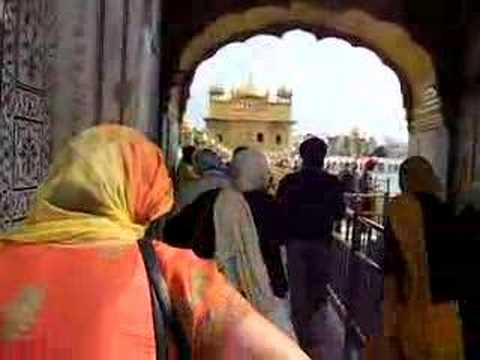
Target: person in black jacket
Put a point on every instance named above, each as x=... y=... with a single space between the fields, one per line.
x=312 y=201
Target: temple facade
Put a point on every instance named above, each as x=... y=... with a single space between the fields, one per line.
x=248 y=117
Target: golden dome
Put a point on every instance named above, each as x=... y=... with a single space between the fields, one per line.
x=217 y=90
x=249 y=90
x=284 y=93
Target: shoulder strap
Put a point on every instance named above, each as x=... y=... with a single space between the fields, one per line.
x=164 y=319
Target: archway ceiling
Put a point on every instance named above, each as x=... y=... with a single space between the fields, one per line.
x=392 y=42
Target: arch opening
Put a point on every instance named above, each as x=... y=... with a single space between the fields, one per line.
x=410 y=62
x=269 y=92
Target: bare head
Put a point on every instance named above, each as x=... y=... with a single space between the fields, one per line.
x=250 y=170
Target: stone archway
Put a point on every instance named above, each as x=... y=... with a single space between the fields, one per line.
x=389 y=40
x=412 y=63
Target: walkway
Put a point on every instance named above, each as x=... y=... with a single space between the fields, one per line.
x=356 y=291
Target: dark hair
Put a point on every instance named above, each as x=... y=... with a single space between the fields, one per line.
x=313 y=151
x=187 y=154
x=239 y=149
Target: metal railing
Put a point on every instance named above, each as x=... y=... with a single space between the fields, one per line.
x=377 y=201
x=357 y=282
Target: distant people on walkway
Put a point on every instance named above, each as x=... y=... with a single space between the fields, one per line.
x=348 y=177
x=366 y=182
x=186 y=170
x=312 y=200
x=73 y=281
x=213 y=175
x=241 y=228
x=366 y=185
x=418 y=326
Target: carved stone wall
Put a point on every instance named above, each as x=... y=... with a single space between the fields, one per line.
x=257 y=109
x=27 y=41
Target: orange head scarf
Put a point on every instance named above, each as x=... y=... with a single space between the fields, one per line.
x=104 y=187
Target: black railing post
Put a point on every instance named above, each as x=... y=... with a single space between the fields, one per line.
x=352 y=279
x=357 y=277
x=356 y=233
x=386 y=200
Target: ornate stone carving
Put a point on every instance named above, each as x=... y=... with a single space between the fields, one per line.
x=28 y=139
x=27 y=48
x=428 y=116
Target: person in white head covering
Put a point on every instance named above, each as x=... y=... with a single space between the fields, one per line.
x=251 y=175
x=238 y=227
x=248 y=237
x=213 y=175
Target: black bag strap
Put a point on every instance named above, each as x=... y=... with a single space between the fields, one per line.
x=164 y=320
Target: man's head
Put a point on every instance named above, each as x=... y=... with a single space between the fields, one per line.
x=205 y=160
x=250 y=170
x=239 y=149
x=313 y=152
x=370 y=165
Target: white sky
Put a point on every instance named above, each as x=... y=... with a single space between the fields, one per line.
x=335 y=86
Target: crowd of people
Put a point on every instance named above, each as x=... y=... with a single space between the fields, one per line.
x=242 y=267
x=76 y=280
x=233 y=216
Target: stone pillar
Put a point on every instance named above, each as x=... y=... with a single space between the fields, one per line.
x=173 y=118
x=428 y=135
x=467 y=151
x=143 y=68
x=73 y=94
x=466 y=156
x=433 y=144
x=171 y=136
x=107 y=69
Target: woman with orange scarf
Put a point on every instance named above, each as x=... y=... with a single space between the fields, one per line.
x=73 y=283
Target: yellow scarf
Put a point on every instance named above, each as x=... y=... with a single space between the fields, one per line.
x=105 y=187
